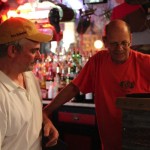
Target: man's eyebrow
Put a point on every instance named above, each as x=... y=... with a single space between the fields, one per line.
x=36 y=49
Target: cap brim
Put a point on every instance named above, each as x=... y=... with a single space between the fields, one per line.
x=40 y=37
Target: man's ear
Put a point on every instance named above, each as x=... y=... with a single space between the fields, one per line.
x=130 y=39
x=11 y=51
x=104 y=38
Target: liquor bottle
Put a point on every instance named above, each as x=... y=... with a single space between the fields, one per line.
x=79 y=58
x=56 y=81
x=49 y=76
x=50 y=90
x=62 y=80
x=68 y=76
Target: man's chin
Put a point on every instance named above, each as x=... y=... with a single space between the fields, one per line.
x=29 y=68
x=119 y=60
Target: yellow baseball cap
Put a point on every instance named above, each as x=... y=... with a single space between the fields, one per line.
x=17 y=28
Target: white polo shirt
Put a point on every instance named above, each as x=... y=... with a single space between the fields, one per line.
x=20 y=114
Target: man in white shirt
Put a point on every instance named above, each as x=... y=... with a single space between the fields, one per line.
x=20 y=98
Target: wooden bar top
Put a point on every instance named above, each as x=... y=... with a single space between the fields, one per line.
x=133 y=103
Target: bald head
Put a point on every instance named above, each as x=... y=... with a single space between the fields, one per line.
x=117 y=26
x=118 y=40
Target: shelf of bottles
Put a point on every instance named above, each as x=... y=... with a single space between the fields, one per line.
x=55 y=70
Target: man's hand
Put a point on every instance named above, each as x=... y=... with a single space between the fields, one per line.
x=50 y=133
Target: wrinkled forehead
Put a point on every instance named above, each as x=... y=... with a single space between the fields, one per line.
x=117 y=33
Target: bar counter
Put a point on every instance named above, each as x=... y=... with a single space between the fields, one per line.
x=77 y=126
x=75 y=104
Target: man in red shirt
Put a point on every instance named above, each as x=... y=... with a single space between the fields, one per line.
x=110 y=74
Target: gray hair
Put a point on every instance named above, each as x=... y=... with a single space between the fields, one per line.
x=4 y=48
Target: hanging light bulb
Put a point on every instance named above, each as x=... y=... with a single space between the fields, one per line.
x=98 y=44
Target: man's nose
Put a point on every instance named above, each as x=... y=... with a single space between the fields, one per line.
x=38 y=55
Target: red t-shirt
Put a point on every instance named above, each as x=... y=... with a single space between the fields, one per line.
x=108 y=81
